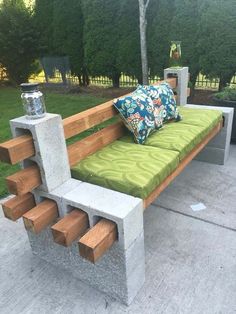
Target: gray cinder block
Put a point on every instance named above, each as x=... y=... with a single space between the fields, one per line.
x=119 y=273
x=51 y=153
x=217 y=150
x=182 y=83
x=57 y=194
x=125 y=210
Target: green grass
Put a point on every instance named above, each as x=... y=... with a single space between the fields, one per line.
x=63 y=104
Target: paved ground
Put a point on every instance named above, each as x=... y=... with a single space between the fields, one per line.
x=190 y=256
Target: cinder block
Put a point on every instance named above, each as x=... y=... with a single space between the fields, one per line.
x=217 y=150
x=119 y=273
x=213 y=155
x=57 y=194
x=51 y=153
x=125 y=210
x=182 y=74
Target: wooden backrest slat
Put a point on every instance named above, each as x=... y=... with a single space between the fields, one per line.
x=85 y=120
x=89 y=145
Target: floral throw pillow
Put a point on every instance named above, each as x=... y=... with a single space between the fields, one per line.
x=139 y=114
x=163 y=97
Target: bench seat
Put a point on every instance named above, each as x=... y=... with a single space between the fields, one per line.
x=184 y=135
x=128 y=168
x=138 y=169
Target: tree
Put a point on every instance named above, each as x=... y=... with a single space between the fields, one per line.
x=129 y=56
x=143 y=5
x=185 y=27
x=18 y=40
x=217 y=40
x=68 y=35
x=159 y=15
x=101 y=38
x=44 y=20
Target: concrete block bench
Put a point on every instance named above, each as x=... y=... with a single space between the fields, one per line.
x=92 y=224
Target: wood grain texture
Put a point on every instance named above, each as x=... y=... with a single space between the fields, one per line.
x=24 y=180
x=17 y=149
x=41 y=216
x=182 y=165
x=69 y=228
x=98 y=240
x=94 y=142
x=17 y=206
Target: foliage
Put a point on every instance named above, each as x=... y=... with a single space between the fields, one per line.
x=101 y=36
x=18 y=41
x=68 y=34
x=217 y=39
x=185 y=27
x=129 y=57
x=228 y=93
x=43 y=15
x=160 y=14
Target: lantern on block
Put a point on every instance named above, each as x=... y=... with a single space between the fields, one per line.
x=175 y=54
x=33 y=101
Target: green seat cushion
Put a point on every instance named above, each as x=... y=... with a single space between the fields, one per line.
x=127 y=167
x=207 y=118
x=174 y=136
x=184 y=135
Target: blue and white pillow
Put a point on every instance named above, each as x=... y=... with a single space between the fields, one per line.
x=163 y=97
x=139 y=114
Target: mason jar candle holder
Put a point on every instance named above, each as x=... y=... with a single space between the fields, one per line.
x=33 y=101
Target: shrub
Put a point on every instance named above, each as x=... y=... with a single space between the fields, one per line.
x=228 y=93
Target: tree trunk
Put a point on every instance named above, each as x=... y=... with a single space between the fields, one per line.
x=224 y=81
x=116 y=80
x=143 y=40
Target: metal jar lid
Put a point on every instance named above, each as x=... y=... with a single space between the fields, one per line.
x=29 y=87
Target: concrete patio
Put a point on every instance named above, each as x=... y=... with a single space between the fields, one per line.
x=190 y=256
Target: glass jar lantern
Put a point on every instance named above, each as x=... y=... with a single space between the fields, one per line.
x=175 y=54
x=33 y=101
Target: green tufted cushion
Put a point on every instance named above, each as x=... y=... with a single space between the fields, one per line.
x=184 y=135
x=174 y=136
x=207 y=118
x=129 y=168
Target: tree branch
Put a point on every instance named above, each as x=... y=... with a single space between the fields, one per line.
x=146 y=5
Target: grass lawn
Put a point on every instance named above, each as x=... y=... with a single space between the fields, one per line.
x=10 y=107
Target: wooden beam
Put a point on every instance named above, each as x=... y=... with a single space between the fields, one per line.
x=24 y=180
x=85 y=120
x=17 y=149
x=182 y=165
x=89 y=145
x=17 y=206
x=69 y=228
x=41 y=216
x=98 y=240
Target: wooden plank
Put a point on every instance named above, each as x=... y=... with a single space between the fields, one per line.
x=94 y=142
x=17 y=149
x=41 y=216
x=87 y=119
x=17 y=206
x=182 y=165
x=24 y=180
x=98 y=240
x=69 y=228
